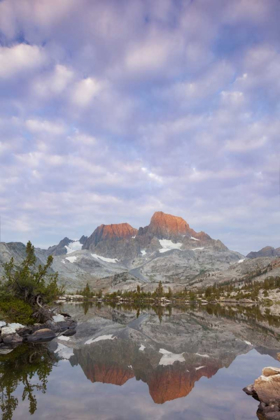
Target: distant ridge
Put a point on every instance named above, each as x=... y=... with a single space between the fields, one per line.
x=267 y=251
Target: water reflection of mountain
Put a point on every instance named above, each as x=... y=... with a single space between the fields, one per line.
x=116 y=363
x=170 y=356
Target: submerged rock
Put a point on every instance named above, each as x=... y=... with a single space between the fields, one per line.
x=266 y=389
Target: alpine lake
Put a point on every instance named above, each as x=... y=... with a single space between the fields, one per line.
x=128 y=362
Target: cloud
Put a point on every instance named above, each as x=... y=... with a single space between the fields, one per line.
x=163 y=105
x=53 y=83
x=84 y=91
x=44 y=126
x=20 y=58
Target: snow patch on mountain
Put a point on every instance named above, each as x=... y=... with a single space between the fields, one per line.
x=168 y=245
x=194 y=239
x=109 y=260
x=71 y=259
x=143 y=252
x=73 y=246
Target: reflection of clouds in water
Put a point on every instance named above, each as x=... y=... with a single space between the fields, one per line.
x=98 y=381
x=73 y=396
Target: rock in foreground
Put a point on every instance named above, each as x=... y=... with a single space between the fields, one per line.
x=266 y=389
x=12 y=335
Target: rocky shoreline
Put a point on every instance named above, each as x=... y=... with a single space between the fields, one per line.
x=266 y=390
x=14 y=334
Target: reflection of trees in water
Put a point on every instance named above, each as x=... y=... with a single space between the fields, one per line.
x=86 y=305
x=140 y=306
x=249 y=314
x=19 y=368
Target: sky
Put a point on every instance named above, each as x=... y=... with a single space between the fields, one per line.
x=111 y=110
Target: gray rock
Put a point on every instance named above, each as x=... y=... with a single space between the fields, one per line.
x=44 y=334
x=23 y=332
x=69 y=333
x=7 y=331
x=12 y=339
x=5 y=350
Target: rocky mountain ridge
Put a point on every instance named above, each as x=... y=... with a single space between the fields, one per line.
x=119 y=256
x=164 y=233
x=267 y=251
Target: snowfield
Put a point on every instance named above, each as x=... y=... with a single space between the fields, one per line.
x=168 y=245
x=194 y=239
x=74 y=246
x=109 y=260
x=71 y=259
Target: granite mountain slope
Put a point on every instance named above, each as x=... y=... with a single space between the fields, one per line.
x=120 y=256
x=267 y=251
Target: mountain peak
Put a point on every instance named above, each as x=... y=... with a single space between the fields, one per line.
x=115 y=231
x=167 y=226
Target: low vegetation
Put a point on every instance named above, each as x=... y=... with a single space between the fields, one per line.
x=249 y=290
x=26 y=289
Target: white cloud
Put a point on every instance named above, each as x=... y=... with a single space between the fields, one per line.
x=84 y=91
x=149 y=56
x=53 y=83
x=152 y=175
x=45 y=126
x=20 y=58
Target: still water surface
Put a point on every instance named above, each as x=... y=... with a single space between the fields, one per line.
x=129 y=364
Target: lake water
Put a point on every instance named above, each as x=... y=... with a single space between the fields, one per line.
x=127 y=363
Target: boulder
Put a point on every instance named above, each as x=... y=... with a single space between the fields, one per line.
x=44 y=334
x=58 y=318
x=12 y=339
x=23 y=332
x=7 y=331
x=63 y=326
x=4 y=351
x=266 y=389
x=269 y=371
x=69 y=332
x=15 y=325
x=267 y=386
